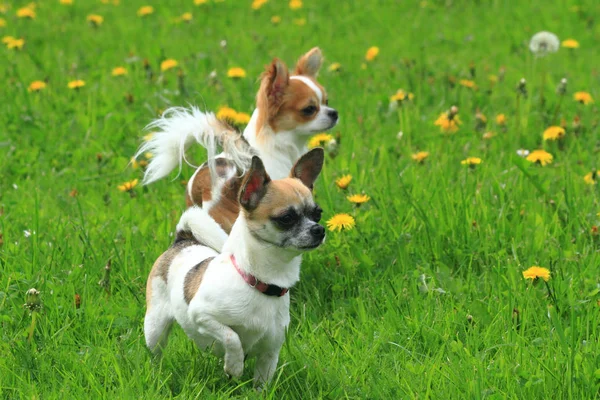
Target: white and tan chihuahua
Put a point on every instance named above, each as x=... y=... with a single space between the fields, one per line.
x=236 y=301
x=289 y=108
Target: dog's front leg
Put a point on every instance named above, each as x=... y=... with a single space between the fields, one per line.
x=267 y=359
x=234 y=353
x=266 y=364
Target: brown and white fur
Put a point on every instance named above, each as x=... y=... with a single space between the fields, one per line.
x=200 y=288
x=289 y=108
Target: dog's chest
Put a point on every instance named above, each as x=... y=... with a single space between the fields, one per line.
x=263 y=321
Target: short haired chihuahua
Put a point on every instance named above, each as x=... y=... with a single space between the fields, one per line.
x=236 y=301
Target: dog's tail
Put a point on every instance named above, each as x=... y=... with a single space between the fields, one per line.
x=178 y=128
x=203 y=228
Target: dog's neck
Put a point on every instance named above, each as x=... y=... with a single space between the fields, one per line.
x=268 y=263
x=278 y=151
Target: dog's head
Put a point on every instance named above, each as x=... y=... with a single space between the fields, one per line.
x=282 y=212
x=296 y=103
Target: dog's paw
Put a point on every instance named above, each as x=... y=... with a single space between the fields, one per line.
x=234 y=366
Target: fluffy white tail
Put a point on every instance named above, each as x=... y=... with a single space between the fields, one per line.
x=178 y=128
x=203 y=227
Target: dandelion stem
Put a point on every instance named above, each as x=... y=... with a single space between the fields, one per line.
x=32 y=326
x=552 y=297
x=542 y=85
x=557 y=109
x=519 y=125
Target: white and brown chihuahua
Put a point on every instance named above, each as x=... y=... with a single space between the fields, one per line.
x=289 y=108
x=236 y=301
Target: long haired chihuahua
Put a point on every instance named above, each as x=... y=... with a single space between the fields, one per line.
x=289 y=108
x=236 y=302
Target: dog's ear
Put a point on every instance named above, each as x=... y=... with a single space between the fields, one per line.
x=310 y=63
x=308 y=167
x=254 y=185
x=273 y=84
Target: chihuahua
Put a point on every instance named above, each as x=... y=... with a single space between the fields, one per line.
x=289 y=108
x=236 y=301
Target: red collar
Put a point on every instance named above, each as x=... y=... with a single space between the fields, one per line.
x=265 y=288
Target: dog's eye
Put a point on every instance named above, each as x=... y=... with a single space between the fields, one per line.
x=286 y=220
x=316 y=214
x=326 y=102
x=310 y=110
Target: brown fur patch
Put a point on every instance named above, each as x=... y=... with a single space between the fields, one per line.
x=280 y=195
x=202 y=184
x=161 y=266
x=193 y=279
x=273 y=86
x=227 y=209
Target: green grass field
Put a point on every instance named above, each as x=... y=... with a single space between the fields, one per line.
x=424 y=298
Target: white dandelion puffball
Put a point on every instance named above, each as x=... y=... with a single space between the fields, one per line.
x=543 y=43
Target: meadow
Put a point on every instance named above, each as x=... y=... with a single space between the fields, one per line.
x=424 y=296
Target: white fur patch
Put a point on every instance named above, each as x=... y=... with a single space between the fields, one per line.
x=203 y=227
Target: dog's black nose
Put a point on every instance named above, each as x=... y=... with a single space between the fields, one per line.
x=333 y=114
x=317 y=231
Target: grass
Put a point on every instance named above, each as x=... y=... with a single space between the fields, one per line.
x=425 y=298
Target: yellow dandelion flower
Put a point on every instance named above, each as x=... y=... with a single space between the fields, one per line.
x=592 y=177
x=118 y=71
x=583 y=97
x=145 y=10
x=187 y=16
x=468 y=83
x=128 y=186
x=299 y=21
x=501 y=119
x=168 y=64
x=420 y=156
x=242 y=118
x=471 y=161
x=372 y=53
x=488 y=135
x=8 y=39
x=26 y=12
x=400 y=95
x=227 y=114
x=15 y=44
x=295 y=4
x=95 y=19
x=341 y=222
x=336 y=66
x=358 y=198
x=446 y=124
x=536 y=272
x=275 y=19
x=66 y=2
x=319 y=139
x=36 y=86
x=540 y=156
x=200 y=2
x=76 y=84
x=570 y=44
x=148 y=137
x=554 y=133
x=343 y=181
x=256 y=4
x=236 y=73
